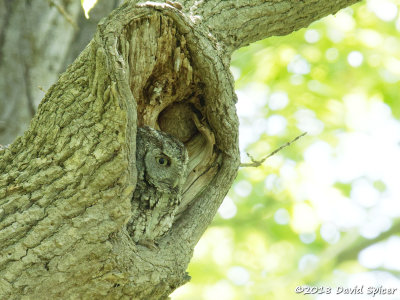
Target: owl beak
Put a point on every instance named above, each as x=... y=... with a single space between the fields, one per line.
x=176 y=182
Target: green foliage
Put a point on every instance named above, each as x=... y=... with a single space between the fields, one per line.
x=287 y=222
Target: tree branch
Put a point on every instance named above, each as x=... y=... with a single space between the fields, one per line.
x=346 y=249
x=361 y=243
x=257 y=163
x=241 y=22
x=61 y=9
x=66 y=185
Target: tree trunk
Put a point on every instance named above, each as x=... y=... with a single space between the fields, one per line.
x=66 y=185
x=38 y=40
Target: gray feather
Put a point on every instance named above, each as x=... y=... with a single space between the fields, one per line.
x=161 y=162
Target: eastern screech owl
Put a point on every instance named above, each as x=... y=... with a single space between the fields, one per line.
x=161 y=162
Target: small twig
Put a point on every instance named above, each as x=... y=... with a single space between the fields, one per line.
x=42 y=89
x=257 y=163
x=62 y=11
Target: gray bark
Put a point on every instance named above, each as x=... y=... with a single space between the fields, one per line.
x=254 y=20
x=66 y=184
x=37 y=43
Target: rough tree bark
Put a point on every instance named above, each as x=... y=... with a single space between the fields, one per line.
x=66 y=184
x=38 y=40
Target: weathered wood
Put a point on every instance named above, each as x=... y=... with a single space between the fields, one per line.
x=67 y=183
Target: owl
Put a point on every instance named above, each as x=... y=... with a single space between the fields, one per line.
x=161 y=162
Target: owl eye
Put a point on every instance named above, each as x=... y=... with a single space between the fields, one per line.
x=163 y=161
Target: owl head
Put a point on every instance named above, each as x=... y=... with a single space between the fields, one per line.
x=164 y=159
